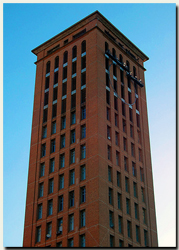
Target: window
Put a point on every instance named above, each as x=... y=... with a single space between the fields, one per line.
x=62 y=141
x=117 y=158
x=82 y=240
x=59 y=244
x=51 y=183
x=72 y=156
x=66 y=41
x=83 y=78
x=42 y=169
x=63 y=106
x=137 y=234
x=53 y=127
x=108 y=113
x=120 y=223
x=55 y=78
x=109 y=173
x=106 y=46
x=82 y=218
x=83 y=194
x=119 y=200
x=83 y=151
x=73 y=117
x=133 y=169
x=110 y=196
x=39 y=211
x=54 y=111
x=72 y=177
x=107 y=75
x=118 y=179
x=48 y=67
x=107 y=97
x=43 y=149
x=83 y=131
x=73 y=67
x=83 y=113
x=139 y=137
x=111 y=241
x=116 y=120
x=115 y=103
x=49 y=230
x=60 y=203
x=52 y=165
x=122 y=76
x=73 y=101
x=45 y=113
x=132 y=149
x=135 y=189
x=74 y=52
x=136 y=210
x=61 y=181
x=60 y=226
x=130 y=115
x=142 y=193
x=125 y=164
x=109 y=152
x=122 y=92
x=123 y=109
x=129 y=229
x=71 y=199
x=38 y=234
x=125 y=143
x=83 y=172
x=44 y=132
x=144 y=215
x=131 y=131
x=62 y=160
x=117 y=138
x=121 y=244
x=55 y=91
x=72 y=136
x=142 y=174
x=47 y=80
x=63 y=121
x=115 y=85
x=127 y=184
x=53 y=146
x=137 y=103
x=127 y=206
x=50 y=207
x=65 y=57
x=71 y=222
x=41 y=189
x=70 y=242
x=64 y=88
x=83 y=47
x=140 y=155
x=56 y=62
x=108 y=133
x=73 y=84
x=111 y=224
x=145 y=238
x=83 y=62
x=138 y=120
x=83 y=96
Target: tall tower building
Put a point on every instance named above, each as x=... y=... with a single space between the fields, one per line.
x=90 y=175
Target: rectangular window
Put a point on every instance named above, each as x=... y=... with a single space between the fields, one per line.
x=72 y=136
x=51 y=184
x=123 y=109
x=52 y=165
x=119 y=200
x=73 y=101
x=132 y=149
x=82 y=218
x=60 y=226
x=127 y=184
x=53 y=146
x=133 y=169
x=109 y=152
x=50 y=207
x=63 y=122
x=130 y=114
x=62 y=160
x=122 y=92
x=63 y=141
x=53 y=127
x=55 y=93
x=61 y=181
x=64 y=73
x=42 y=169
x=145 y=238
x=72 y=156
x=144 y=215
x=82 y=240
x=108 y=133
x=142 y=193
x=131 y=131
x=125 y=143
x=117 y=158
x=129 y=98
x=125 y=164
x=83 y=194
x=55 y=77
x=63 y=106
x=83 y=131
x=142 y=174
x=107 y=97
x=83 y=78
x=54 y=111
x=135 y=189
x=117 y=138
x=71 y=222
x=137 y=103
x=38 y=234
x=136 y=210
x=111 y=241
x=122 y=76
x=118 y=179
x=64 y=89
x=44 y=132
x=140 y=155
x=83 y=96
x=107 y=80
x=116 y=120
x=127 y=206
x=109 y=173
x=83 y=151
x=83 y=113
x=72 y=177
x=60 y=203
x=49 y=230
x=138 y=120
x=46 y=98
x=59 y=244
x=120 y=223
x=115 y=103
x=137 y=234
x=129 y=229
x=83 y=172
x=70 y=242
x=41 y=189
x=43 y=149
x=71 y=199
x=139 y=137
x=111 y=219
x=73 y=117
x=45 y=113
x=47 y=80
x=108 y=113
x=73 y=84
x=110 y=196
x=73 y=67
x=121 y=244
x=39 y=212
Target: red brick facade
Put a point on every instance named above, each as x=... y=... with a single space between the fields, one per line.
x=91 y=194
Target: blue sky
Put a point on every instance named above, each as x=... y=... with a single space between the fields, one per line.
x=152 y=28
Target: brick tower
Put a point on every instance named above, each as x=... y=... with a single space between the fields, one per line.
x=90 y=175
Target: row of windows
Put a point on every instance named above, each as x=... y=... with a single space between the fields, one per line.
x=61 y=179
x=71 y=202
